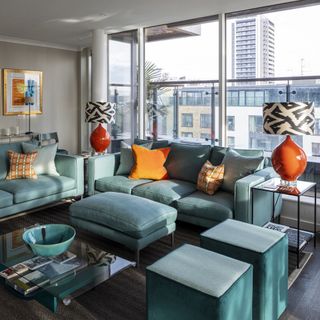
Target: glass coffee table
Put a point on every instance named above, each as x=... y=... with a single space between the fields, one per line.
x=55 y=279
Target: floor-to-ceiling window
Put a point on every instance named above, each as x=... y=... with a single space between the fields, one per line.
x=181 y=81
x=122 y=49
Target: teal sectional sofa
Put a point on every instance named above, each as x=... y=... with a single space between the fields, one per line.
x=26 y=194
x=183 y=165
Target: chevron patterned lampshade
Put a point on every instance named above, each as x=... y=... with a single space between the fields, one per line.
x=100 y=112
x=295 y=118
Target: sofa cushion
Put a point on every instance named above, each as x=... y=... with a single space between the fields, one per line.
x=186 y=160
x=127 y=159
x=218 y=153
x=118 y=184
x=165 y=191
x=29 y=189
x=218 y=207
x=6 y=199
x=236 y=167
x=131 y=215
x=4 y=160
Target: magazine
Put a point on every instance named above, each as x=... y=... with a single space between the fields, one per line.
x=14 y=271
x=29 y=282
x=276 y=227
x=37 y=262
x=64 y=257
x=56 y=271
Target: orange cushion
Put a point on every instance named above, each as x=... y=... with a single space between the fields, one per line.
x=21 y=165
x=210 y=178
x=149 y=164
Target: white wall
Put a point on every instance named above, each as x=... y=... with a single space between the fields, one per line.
x=60 y=90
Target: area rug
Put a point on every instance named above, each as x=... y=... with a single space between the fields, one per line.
x=120 y=298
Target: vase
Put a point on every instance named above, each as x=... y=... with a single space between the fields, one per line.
x=100 y=139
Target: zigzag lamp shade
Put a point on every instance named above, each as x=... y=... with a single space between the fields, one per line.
x=100 y=112
x=289 y=118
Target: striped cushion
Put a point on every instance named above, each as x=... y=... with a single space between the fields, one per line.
x=210 y=178
x=21 y=165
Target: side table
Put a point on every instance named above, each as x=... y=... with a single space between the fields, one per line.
x=273 y=185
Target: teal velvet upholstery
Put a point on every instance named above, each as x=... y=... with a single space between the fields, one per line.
x=197 y=208
x=216 y=208
x=267 y=251
x=129 y=220
x=101 y=167
x=165 y=191
x=6 y=199
x=185 y=161
x=30 y=189
x=131 y=215
x=192 y=283
x=118 y=184
x=25 y=194
x=262 y=200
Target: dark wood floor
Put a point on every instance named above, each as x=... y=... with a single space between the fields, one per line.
x=304 y=295
x=123 y=298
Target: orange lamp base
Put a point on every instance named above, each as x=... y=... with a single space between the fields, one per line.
x=289 y=161
x=100 y=139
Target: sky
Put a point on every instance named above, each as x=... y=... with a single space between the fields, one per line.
x=296 y=42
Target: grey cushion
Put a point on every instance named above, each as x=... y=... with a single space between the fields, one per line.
x=184 y=161
x=218 y=153
x=165 y=191
x=217 y=207
x=6 y=199
x=156 y=144
x=127 y=159
x=29 y=189
x=118 y=184
x=44 y=162
x=131 y=215
x=237 y=167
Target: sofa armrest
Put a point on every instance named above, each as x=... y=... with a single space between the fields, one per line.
x=101 y=167
x=262 y=199
x=71 y=166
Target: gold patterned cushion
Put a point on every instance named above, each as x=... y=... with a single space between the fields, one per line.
x=21 y=165
x=210 y=178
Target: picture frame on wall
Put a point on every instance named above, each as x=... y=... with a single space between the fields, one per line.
x=18 y=86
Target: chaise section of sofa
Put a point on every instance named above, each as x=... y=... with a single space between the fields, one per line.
x=25 y=194
x=180 y=191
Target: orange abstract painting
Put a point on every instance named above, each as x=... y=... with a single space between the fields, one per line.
x=17 y=92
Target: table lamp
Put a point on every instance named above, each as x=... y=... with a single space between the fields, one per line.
x=289 y=118
x=100 y=112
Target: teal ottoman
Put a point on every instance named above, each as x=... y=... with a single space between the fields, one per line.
x=267 y=251
x=132 y=221
x=192 y=283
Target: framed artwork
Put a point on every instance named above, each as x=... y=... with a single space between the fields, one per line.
x=22 y=89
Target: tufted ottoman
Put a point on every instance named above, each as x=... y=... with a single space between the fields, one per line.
x=267 y=251
x=192 y=283
x=130 y=220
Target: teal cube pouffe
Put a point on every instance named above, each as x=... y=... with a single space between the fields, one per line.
x=267 y=251
x=192 y=283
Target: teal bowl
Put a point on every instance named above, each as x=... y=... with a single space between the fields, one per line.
x=49 y=239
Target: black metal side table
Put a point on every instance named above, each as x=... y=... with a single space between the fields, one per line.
x=273 y=185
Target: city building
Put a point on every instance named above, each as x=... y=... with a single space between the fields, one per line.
x=253 y=48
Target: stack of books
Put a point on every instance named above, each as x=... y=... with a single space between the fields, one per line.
x=35 y=273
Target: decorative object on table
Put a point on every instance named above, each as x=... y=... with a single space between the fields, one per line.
x=21 y=165
x=30 y=102
x=49 y=240
x=99 y=257
x=100 y=112
x=289 y=118
x=15 y=130
x=18 y=86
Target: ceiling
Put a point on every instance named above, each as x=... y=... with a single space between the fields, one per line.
x=68 y=23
